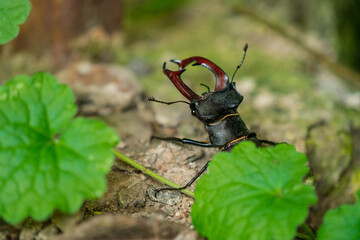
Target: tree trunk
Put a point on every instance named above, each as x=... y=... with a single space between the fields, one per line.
x=348 y=32
x=52 y=24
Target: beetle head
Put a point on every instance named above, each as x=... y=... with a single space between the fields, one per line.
x=215 y=104
x=211 y=105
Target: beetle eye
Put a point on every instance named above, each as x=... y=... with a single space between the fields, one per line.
x=193 y=112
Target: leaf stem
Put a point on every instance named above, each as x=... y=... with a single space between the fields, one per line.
x=303 y=236
x=306 y=228
x=151 y=173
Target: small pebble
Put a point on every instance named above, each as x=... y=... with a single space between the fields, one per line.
x=167 y=197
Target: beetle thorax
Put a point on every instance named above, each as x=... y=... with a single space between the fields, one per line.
x=215 y=105
x=218 y=111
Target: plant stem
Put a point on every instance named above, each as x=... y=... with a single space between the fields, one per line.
x=308 y=231
x=151 y=173
x=303 y=236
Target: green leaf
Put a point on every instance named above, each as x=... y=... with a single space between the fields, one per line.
x=48 y=160
x=12 y=14
x=253 y=193
x=341 y=223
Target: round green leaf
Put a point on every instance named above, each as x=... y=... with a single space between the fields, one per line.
x=12 y=14
x=342 y=223
x=253 y=193
x=48 y=160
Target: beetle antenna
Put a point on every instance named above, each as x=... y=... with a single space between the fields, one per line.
x=242 y=61
x=152 y=99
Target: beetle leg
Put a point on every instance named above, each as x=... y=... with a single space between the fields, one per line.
x=268 y=142
x=206 y=144
x=203 y=169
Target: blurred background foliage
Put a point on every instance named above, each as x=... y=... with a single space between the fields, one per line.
x=302 y=54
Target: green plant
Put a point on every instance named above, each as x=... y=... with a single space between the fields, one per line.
x=342 y=223
x=253 y=193
x=12 y=13
x=48 y=159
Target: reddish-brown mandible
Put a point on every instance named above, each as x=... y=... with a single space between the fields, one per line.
x=222 y=79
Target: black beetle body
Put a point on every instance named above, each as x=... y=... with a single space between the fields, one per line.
x=217 y=110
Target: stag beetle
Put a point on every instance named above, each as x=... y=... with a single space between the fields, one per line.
x=217 y=110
